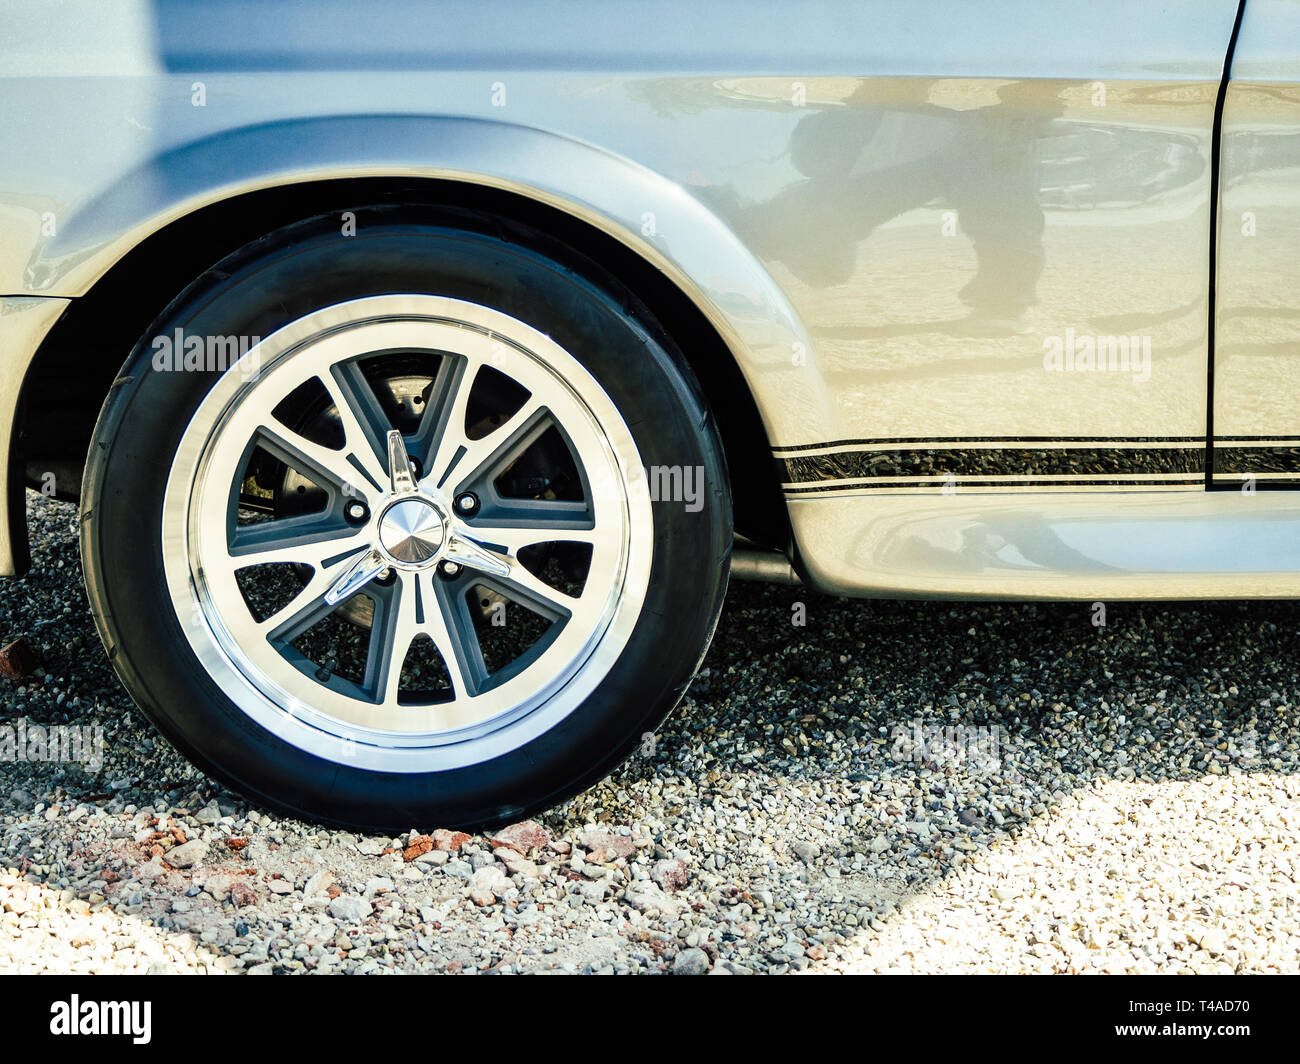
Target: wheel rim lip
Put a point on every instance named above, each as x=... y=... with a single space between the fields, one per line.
x=292 y=718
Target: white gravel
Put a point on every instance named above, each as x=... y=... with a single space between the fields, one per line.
x=1115 y=799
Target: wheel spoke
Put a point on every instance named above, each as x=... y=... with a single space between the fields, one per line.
x=361 y=417
x=449 y=626
x=443 y=426
x=308 y=607
x=314 y=461
x=306 y=540
x=530 y=590
x=470 y=459
x=532 y=522
x=448 y=396
x=326 y=552
x=391 y=633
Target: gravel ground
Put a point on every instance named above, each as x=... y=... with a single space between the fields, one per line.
x=888 y=787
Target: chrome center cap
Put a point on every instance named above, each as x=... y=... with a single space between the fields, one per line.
x=411 y=531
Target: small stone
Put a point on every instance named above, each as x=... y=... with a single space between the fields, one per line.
x=219 y=886
x=603 y=846
x=451 y=841
x=187 y=854
x=486 y=883
x=1212 y=941
x=524 y=837
x=242 y=894
x=350 y=908
x=518 y=865
x=670 y=874
x=691 y=962
x=459 y=869
x=649 y=899
x=210 y=814
x=594 y=890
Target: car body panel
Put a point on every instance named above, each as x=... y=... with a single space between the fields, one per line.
x=24 y=322
x=1058 y=545
x=896 y=218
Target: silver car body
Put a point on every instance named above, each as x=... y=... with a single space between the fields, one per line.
x=961 y=253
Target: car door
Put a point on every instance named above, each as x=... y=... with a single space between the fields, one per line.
x=1002 y=254
x=1256 y=385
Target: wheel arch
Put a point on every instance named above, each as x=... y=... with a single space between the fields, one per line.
x=127 y=253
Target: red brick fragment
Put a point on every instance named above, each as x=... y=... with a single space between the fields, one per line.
x=17 y=659
x=419 y=845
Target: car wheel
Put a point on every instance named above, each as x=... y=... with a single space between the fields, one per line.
x=367 y=527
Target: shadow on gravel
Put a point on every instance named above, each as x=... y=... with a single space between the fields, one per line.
x=886 y=745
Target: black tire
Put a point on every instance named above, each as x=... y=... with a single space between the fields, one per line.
x=463 y=255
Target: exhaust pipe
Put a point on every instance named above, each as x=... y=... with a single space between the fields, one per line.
x=767 y=566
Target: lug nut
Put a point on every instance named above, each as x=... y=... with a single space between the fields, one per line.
x=467 y=503
x=449 y=569
x=356 y=512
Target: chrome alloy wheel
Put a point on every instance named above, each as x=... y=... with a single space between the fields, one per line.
x=420 y=518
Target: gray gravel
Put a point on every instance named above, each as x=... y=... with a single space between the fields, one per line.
x=1121 y=798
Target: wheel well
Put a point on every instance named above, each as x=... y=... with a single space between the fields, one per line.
x=72 y=372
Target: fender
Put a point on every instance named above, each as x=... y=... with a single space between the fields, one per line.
x=687 y=242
